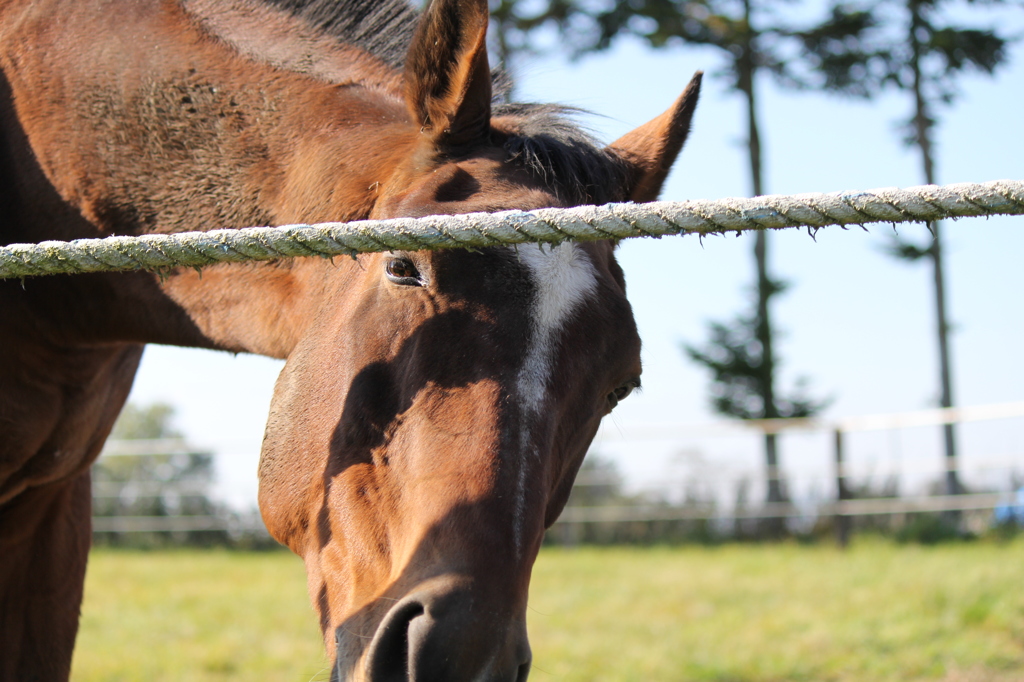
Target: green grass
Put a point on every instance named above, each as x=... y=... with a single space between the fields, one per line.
x=731 y=614
x=766 y=613
x=197 y=616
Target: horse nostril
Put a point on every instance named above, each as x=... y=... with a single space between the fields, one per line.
x=389 y=653
x=435 y=637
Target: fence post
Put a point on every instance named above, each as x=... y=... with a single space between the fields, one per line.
x=843 y=522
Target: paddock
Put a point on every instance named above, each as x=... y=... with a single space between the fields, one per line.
x=878 y=611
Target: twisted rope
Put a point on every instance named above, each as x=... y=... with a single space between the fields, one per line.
x=584 y=223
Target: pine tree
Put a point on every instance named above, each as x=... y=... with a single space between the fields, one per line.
x=906 y=45
x=743 y=383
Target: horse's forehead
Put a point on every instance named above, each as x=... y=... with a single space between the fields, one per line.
x=563 y=277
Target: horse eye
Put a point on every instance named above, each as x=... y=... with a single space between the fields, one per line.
x=623 y=391
x=402 y=271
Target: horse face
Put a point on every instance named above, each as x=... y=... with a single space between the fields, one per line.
x=428 y=427
x=425 y=434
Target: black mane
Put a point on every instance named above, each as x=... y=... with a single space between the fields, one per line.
x=383 y=28
x=562 y=155
x=544 y=140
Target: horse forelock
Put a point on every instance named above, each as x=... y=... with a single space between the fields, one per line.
x=543 y=139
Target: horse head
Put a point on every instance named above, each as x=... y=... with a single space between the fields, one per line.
x=426 y=429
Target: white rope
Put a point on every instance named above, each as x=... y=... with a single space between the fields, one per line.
x=584 y=223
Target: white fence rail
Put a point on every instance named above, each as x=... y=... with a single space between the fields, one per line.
x=832 y=469
x=834 y=506
x=225 y=521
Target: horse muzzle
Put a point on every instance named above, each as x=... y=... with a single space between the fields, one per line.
x=437 y=634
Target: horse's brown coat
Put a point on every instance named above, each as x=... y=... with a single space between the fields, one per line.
x=399 y=438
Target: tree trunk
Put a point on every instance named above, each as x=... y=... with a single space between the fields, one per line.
x=763 y=332
x=746 y=71
x=922 y=133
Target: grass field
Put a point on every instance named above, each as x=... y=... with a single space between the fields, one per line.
x=736 y=613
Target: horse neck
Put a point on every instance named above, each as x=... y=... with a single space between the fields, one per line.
x=183 y=132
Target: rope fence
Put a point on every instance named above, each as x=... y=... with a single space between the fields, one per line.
x=474 y=230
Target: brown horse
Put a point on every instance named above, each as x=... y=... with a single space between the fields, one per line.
x=434 y=406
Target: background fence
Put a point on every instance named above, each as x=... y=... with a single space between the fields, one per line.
x=159 y=491
x=881 y=472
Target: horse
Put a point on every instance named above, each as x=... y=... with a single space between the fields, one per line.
x=434 y=406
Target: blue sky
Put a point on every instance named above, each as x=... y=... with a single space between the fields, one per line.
x=856 y=323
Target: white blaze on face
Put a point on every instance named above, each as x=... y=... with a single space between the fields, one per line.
x=563 y=278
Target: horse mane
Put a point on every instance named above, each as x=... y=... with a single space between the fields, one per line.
x=384 y=28
x=542 y=138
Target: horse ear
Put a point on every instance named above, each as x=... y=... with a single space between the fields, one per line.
x=651 y=149
x=447 y=77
